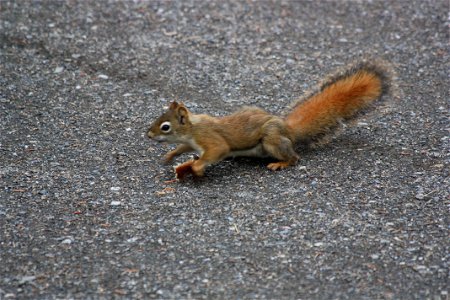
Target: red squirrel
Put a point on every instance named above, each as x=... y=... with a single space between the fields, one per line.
x=254 y=132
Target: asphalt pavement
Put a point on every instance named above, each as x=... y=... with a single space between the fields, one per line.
x=88 y=210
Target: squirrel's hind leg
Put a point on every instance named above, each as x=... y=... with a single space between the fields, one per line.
x=277 y=144
x=281 y=148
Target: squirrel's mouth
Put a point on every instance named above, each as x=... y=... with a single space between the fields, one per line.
x=158 y=138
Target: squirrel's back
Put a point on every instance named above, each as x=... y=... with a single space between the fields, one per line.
x=342 y=97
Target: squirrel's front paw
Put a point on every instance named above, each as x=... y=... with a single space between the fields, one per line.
x=168 y=157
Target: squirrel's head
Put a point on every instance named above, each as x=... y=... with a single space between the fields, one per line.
x=172 y=126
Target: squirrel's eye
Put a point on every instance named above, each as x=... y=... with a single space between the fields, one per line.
x=165 y=127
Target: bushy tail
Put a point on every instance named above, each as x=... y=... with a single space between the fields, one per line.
x=342 y=97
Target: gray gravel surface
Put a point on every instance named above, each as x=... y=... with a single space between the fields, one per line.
x=86 y=210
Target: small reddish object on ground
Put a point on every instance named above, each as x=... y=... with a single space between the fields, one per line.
x=183 y=170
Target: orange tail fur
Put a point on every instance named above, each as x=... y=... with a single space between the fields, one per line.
x=342 y=98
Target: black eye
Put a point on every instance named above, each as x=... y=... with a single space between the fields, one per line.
x=165 y=127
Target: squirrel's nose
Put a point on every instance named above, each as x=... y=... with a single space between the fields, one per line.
x=150 y=134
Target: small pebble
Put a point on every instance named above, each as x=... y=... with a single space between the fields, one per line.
x=67 y=241
x=420 y=196
x=58 y=70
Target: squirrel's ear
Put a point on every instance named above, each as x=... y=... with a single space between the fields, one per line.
x=173 y=105
x=182 y=113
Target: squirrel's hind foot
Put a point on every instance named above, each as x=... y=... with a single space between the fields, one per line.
x=279 y=165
